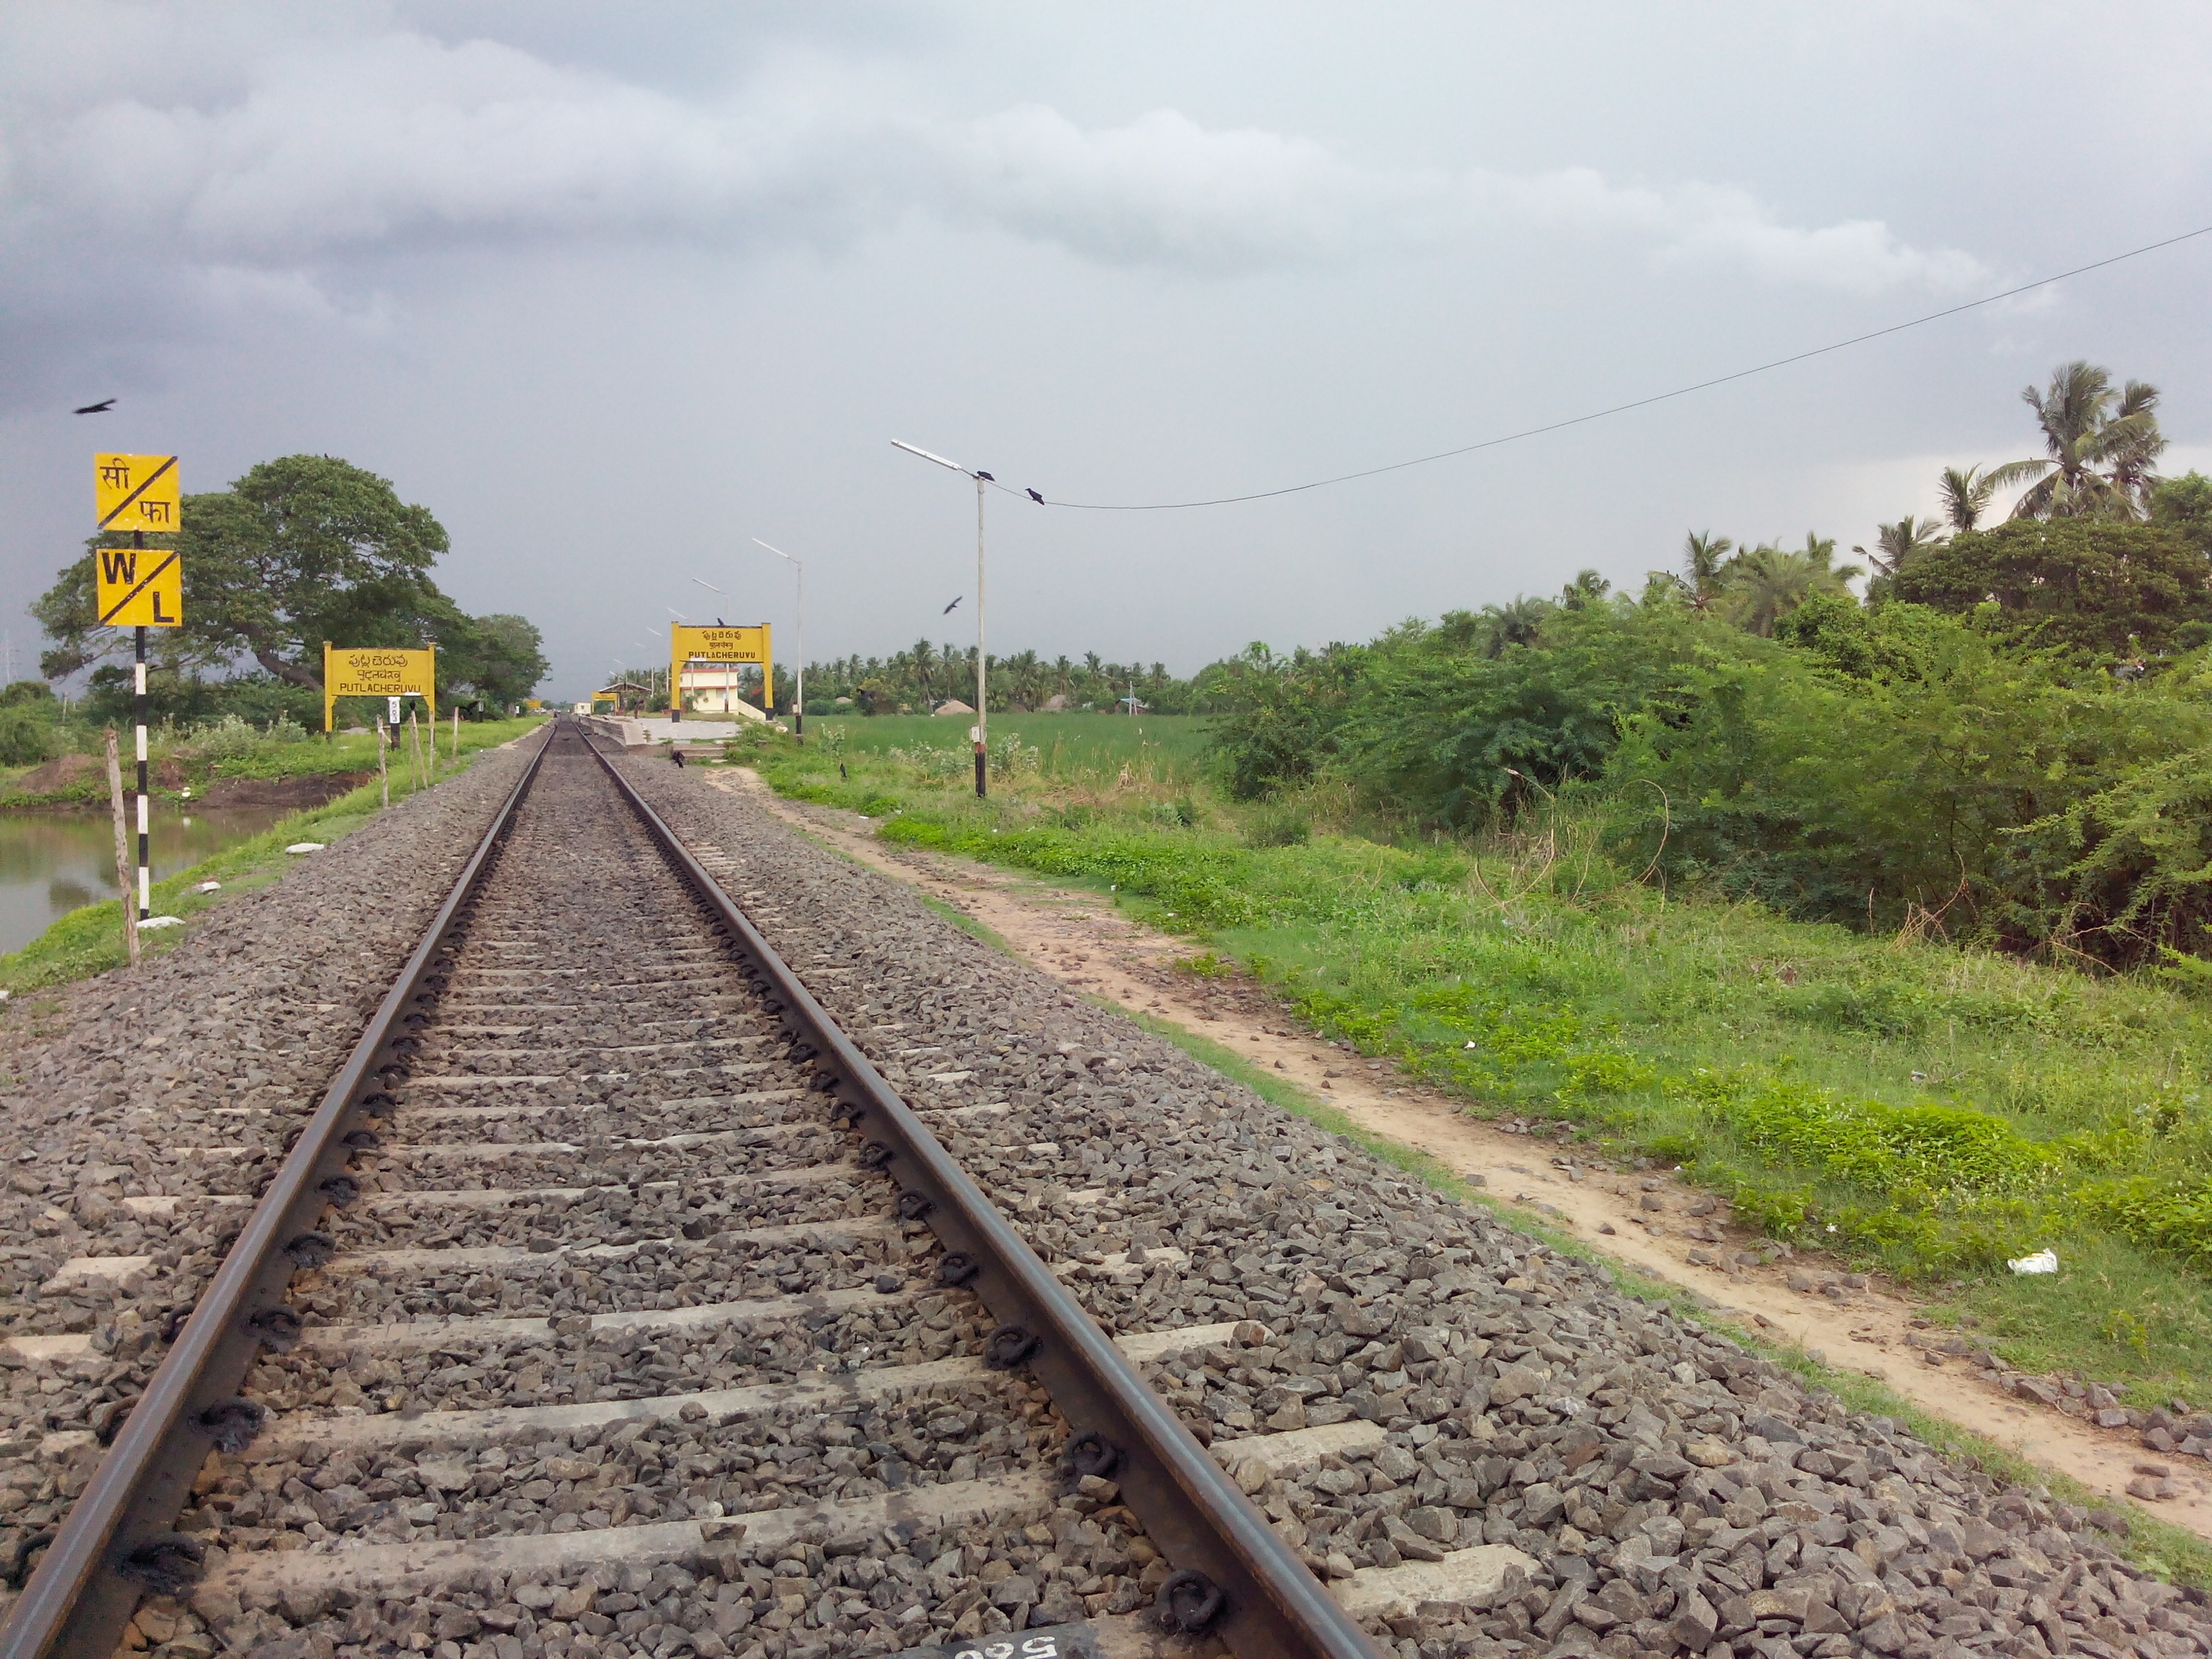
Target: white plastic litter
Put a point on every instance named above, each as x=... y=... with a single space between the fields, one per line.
x=184 y=794
x=162 y=921
x=305 y=847
x=207 y=886
x=2043 y=1262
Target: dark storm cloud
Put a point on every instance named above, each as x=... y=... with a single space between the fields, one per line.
x=611 y=288
x=262 y=163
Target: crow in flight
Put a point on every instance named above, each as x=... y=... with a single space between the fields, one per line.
x=99 y=407
x=948 y=609
x=1038 y=499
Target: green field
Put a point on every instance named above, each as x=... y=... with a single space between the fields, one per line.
x=1905 y=1104
x=237 y=750
x=1086 y=751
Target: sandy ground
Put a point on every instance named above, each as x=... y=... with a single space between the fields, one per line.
x=1649 y=1222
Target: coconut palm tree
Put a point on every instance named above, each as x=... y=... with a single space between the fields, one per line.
x=1705 y=563
x=1893 y=544
x=2082 y=431
x=1767 y=582
x=1499 y=628
x=1966 y=496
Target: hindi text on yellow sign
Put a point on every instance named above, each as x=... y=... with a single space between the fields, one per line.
x=135 y=492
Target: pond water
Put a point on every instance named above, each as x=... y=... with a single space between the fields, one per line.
x=52 y=862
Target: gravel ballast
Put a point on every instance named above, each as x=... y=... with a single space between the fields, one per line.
x=224 y=1043
x=1673 y=1492
x=619 y=1354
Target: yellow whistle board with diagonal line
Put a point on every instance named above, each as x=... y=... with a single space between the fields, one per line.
x=139 y=586
x=136 y=492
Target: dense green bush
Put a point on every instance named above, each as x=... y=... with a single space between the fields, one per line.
x=28 y=735
x=1907 y=766
x=2108 y=589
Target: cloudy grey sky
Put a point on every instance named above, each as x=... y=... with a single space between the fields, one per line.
x=612 y=290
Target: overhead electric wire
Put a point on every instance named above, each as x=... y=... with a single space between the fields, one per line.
x=1617 y=409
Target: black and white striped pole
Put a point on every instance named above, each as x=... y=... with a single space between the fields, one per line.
x=138 y=713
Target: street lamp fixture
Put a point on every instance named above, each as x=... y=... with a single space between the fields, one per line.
x=983 y=702
x=798 y=710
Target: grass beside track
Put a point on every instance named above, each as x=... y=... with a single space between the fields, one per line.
x=90 y=940
x=1905 y=1104
x=2173 y=1553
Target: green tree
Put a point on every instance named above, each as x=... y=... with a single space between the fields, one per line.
x=2105 y=588
x=1281 y=715
x=1705 y=565
x=1896 y=760
x=2185 y=504
x=1453 y=738
x=1965 y=495
x=1893 y=544
x=299 y=550
x=1766 y=583
x=2086 y=426
x=498 y=659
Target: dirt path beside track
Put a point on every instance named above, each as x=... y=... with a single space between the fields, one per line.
x=1650 y=1223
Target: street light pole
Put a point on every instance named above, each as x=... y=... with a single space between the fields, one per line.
x=983 y=659
x=983 y=689
x=798 y=569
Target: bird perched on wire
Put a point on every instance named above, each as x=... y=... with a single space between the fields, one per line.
x=1038 y=499
x=948 y=609
x=99 y=407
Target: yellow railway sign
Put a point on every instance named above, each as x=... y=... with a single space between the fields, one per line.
x=135 y=492
x=374 y=671
x=687 y=644
x=139 y=586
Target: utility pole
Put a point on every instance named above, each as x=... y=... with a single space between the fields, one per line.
x=983 y=728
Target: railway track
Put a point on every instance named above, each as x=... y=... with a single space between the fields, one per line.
x=610 y=1296
x=611 y=1303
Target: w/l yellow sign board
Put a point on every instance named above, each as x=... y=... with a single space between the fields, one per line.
x=135 y=492
x=727 y=646
x=139 y=586
x=374 y=671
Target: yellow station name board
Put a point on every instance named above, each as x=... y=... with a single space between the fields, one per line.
x=375 y=671
x=687 y=644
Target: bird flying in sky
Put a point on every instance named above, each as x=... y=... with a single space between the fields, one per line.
x=948 y=609
x=1038 y=499
x=99 y=407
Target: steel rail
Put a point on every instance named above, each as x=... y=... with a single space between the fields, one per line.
x=1255 y=1595
x=113 y=1547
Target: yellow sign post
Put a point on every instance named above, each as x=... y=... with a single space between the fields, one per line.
x=135 y=492
x=373 y=671
x=139 y=586
x=724 y=646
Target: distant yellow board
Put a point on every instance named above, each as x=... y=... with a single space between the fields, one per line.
x=135 y=492
x=687 y=644
x=139 y=586
x=373 y=671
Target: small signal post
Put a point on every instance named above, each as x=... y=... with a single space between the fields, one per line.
x=139 y=586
